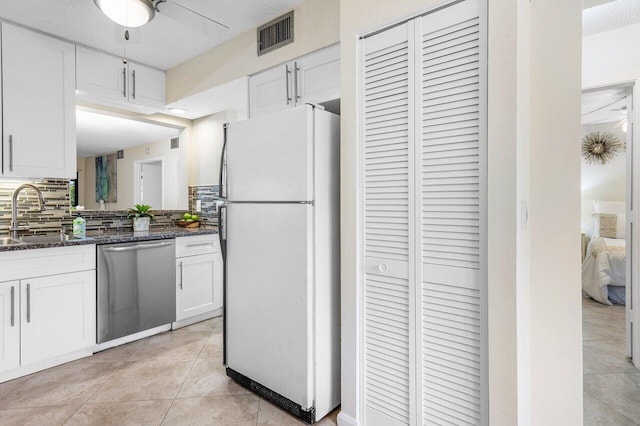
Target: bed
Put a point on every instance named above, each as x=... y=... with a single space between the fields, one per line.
x=603 y=270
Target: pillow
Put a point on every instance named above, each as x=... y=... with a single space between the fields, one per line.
x=617 y=208
x=605 y=225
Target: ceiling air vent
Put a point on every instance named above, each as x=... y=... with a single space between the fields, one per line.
x=275 y=34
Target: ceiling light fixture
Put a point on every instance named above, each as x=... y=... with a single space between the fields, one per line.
x=128 y=13
x=177 y=110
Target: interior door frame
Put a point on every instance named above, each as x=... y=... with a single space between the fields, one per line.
x=137 y=172
x=632 y=295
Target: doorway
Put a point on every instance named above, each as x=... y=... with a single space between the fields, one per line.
x=149 y=182
x=608 y=209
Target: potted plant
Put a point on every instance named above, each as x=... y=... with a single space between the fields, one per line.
x=141 y=214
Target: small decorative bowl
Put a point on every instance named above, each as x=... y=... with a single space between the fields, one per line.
x=186 y=224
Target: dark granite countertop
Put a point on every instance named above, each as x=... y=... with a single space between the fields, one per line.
x=112 y=237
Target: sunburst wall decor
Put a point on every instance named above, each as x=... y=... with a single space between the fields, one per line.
x=600 y=147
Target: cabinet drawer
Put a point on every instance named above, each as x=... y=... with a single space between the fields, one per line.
x=198 y=244
x=22 y=264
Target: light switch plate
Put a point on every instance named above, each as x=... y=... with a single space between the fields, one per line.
x=198 y=206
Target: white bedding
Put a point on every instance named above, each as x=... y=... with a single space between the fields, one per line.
x=603 y=266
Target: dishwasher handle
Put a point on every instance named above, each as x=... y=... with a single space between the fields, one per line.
x=137 y=247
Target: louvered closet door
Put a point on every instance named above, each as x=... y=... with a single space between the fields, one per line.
x=388 y=300
x=451 y=162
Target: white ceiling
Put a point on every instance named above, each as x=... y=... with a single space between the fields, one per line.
x=103 y=134
x=231 y=96
x=163 y=43
x=587 y=4
x=611 y=15
x=606 y=105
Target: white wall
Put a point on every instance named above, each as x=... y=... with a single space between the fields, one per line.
x=606 y=182
x=554 y=199
x=205 y=147
x=611 y=57
x=81 y=179
x=175 y=183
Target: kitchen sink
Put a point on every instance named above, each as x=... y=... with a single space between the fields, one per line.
x=6 y=241
x=44 y=239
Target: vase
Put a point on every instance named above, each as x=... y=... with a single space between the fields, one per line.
x=141 y=224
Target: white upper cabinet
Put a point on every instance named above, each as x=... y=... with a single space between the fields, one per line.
x=106 y=79
x=317 y=76
x=270 y=90
x=313 y=78
x=38 y=97
x=147 y=86
x=100 y=75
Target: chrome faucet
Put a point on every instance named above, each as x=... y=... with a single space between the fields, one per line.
x=14 y=228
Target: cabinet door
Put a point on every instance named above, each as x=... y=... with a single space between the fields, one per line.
x=146 y=86
x=317 y=76
x=271 y=90
x=101 y=76
x=38 y=88
x=58 y=315
x=199 y=287
x=9 y=325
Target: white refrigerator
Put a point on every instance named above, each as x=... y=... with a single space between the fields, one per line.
x=280 y=235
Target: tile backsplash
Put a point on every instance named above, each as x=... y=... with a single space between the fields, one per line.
x=208 y=195
x=56 y=206
x=57 y=211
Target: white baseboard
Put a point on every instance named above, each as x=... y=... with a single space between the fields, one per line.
x=131 y=338
x=43 y=365
x=197 y=318
x=346 y=420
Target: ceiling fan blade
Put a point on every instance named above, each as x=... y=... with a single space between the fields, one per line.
x=190 y=18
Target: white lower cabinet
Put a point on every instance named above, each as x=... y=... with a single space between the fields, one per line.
x=47 y=310
x=198 y=289
x=9 y=325
x=58 y=315
x=198 y=276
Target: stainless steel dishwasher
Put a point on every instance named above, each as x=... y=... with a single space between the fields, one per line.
x=136 y=287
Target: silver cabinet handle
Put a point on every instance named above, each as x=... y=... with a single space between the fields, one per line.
x=28 y=302
x=287 y=72
x=295 y=81
x=180 y=275
x=133 y=91
x=124 y=82
x=208 y=243
x=13 y=306
x=137 y=247
x=10 y=153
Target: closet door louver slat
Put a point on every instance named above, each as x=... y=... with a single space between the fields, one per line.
x=386 y=228
x=451 y=165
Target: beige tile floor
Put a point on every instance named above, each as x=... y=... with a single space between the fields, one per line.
x=611 y=382
x=175 y=378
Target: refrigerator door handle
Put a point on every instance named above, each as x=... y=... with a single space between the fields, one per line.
x=222 y=186
x=222 y=235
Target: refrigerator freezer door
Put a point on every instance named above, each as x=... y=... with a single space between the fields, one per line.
x=270 y=158
x=268 y=314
